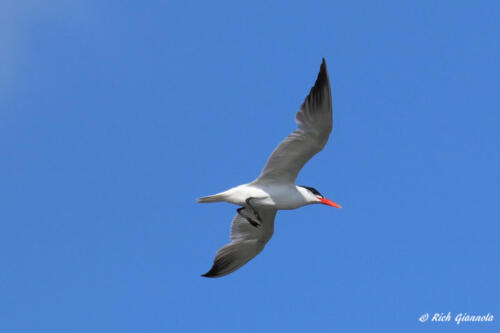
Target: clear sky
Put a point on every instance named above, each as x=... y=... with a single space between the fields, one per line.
x=116 y=115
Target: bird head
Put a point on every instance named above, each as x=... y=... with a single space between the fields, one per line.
x=313 y=196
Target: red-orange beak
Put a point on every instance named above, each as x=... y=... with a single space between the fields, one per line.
x=327 y=202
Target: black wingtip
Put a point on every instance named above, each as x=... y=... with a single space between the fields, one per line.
x=323 y=74
x=323 y=65
x=321 y=80
x=316 y=93
x=212 y=273
x=207 y=274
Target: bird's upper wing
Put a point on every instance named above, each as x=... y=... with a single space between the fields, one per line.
x=314 y=122
x=246 y=242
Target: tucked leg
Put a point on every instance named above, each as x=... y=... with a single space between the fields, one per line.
x=248 y=218
x=253 y=209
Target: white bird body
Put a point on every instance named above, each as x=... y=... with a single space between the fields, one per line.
x=275 y=188
x=279 y=196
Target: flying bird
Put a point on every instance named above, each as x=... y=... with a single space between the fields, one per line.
x=275 y=188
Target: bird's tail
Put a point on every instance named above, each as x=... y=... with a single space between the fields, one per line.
x=212 y=198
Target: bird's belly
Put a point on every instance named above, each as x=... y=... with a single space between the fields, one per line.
x=288 y=204
x=278 y=197
x=283 y=200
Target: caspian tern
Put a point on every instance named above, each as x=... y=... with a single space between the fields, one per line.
x=275 y=188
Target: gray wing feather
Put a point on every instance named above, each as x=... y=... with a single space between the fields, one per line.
x=314 y=122
x=247 y=242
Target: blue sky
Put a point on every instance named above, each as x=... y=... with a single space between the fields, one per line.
x=115 y=116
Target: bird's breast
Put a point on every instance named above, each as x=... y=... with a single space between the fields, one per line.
x=282 y=197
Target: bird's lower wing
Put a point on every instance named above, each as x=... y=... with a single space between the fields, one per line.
x=247 y=242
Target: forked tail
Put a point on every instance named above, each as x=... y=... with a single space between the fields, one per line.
x=212 y=198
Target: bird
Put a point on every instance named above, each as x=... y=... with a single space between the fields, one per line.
x=274 y=189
